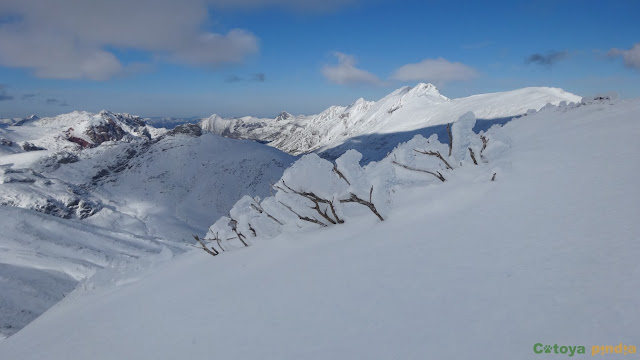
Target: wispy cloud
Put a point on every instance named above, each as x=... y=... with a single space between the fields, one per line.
x=346 y=73
x=29 y=96
x=549 y=59
x=438 y=71
x=3 y=94
x=257 y=77
x=233 y=78
x=54 y=101
x=630 y=57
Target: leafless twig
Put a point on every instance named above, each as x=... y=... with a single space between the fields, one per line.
x=473 y=156
x=241 y=237
x=259 y=209
x=436 y=174
x=355 y=199
x=312 y=220
x=484 y=146
x=340 y=174
x=450 y=138
x=317 y=201
x=436 y=154
x=212 y=251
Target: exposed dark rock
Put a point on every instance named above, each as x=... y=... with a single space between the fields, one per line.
x=82 y=208
x=284 y=116
x=82 y=142
x=101 y=174
x=53 y=207
x=108 y=131
x=65 y=158
x=187 y=129
x=27 y=146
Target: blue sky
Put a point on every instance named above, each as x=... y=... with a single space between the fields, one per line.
x=259 y=57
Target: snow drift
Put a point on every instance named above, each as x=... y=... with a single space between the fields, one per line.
x=464 y=268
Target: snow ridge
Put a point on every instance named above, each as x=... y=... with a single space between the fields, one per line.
x=405 y=109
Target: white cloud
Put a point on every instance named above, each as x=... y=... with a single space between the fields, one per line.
x=631 y=57
x=346 y=73
x=438 y=71
x=71 y=39
x=300 y=5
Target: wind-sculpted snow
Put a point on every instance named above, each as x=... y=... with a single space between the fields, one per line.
x=314 y=192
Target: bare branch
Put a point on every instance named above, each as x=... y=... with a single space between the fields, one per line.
x=317 y=200
x=234 y=227
x=450 y=138
x=212 y=251
x=436 y=154
x=259 y=209
x=355 y=199
x=316 y=207
x=312 y=220
x=493 y=178
x=219 y=241
x=436 y=174
x=340 y=174
x=253 y=231
x=275 y=186
x=473 y=156
x=484 y=146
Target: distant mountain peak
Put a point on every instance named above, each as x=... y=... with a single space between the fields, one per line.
x=284 y=116
x=426 y=89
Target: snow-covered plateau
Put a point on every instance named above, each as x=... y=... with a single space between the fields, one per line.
x=474 y=240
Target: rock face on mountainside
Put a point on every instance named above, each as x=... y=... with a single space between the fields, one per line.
x=404 y=110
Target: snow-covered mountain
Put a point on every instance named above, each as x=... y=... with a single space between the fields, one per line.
x=405 y=110
x=83 y=191
x=115 y=170
x=545 y=252
x=116 y=176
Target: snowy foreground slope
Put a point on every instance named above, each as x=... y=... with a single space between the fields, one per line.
x=468 y=268
x=43 y=257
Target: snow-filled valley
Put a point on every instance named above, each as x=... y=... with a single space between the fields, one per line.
x=488 y=231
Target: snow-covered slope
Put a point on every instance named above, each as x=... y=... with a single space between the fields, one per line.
x=84 y=173
x=42 y=258
x=405 y=110
x=547 y=253
x=114 y=170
